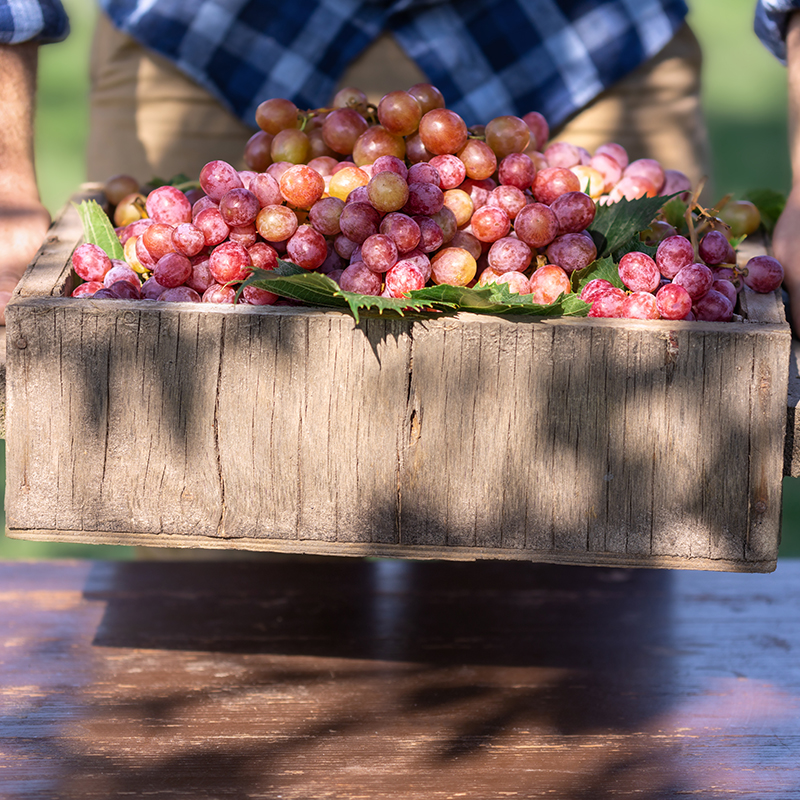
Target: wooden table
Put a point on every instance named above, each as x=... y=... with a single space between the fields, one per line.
x=345 y=678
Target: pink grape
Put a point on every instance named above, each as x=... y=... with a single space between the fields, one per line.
x=574 y=211
x=640 y=305
x=536 y=224
x=379 y=252
x=239 y=207
x=763 y=274
x=217 y=178
x=307 y=247
x=358 y=221
x=172 y=270
x=390 y=164
x=188 y=239
x=638 y=271
x=229 y=262
x=715 y=249
x=431 y=237
x=552 y=182
x=121 y=272
x=402 y=230
x=509 y=254
x=87 y=289
x=168 y=204
x=266 y=189
x=424 y=172
x=179 y=294
x=548 y=283
x=572 y=251
x=90 y=262
x=713 y=306
x=594 y=288
x=451 y=170
x=672 y=254
x=511 y=199
x=696 y=278
x=404 y=277
x=615 y=151
x=608 y=167
x=324 y=215
x=423 y=198
x=649 y=169
x=516 y=169
x=490 y=223
x=217 y=293
x=359 y=279
x=609 y=304
x=213 y=226
x=562 y=154
x=725 y=287
x=673 y=301
x=152 y=289
x=516 y=281
x=201 y=277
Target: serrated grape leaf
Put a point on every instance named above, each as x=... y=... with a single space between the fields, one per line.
x=97 y=228
x=316 y=289
x=604 y=268
x=616 y=223
x=497 y=298
x=674 y=212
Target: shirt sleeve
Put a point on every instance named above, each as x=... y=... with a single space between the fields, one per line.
x=32 y=20
x=771 y=21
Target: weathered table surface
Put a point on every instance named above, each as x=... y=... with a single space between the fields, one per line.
x=344 y=678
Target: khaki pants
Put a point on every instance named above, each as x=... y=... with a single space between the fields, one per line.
x=148 y=120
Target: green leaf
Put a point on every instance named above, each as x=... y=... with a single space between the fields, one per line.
x=674 y=212
x=97 y=228
x=770 y=205
x=616 y=223
x=604 y=268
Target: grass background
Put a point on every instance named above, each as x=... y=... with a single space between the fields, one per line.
x=744 y=98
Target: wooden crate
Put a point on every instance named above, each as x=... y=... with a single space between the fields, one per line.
x=606 y=442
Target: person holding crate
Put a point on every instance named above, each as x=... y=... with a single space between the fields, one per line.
x=176 y=84
x=778 y=27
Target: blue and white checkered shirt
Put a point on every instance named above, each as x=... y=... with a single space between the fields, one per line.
x=488 y=57
x=772 y=18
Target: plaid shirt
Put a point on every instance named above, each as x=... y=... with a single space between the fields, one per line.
x=488 y=57
x=772 y=17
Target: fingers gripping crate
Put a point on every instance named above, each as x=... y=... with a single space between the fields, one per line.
x=570 y=440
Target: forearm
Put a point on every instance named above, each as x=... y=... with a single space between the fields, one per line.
x=17 y=99
x=793 y=93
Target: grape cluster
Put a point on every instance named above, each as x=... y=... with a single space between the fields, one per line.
x=678 y=283
x=385 y=200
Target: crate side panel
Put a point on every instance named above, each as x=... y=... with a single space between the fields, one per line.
x=134 y=448
x=320 y=439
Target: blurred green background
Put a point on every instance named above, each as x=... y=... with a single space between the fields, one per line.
x=744 y=98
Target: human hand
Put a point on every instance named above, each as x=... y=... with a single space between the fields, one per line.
x=786 y=248
x=23 y=226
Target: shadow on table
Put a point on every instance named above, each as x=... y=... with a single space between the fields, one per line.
x=463 y=654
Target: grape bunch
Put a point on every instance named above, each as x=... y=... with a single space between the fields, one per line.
x=390 y=198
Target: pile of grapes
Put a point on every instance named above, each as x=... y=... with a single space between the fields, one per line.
x=387 y=200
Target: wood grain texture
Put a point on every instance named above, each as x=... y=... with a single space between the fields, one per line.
x=344 y=679
x=584 y=441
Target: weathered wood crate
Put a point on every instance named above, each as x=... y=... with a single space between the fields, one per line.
x=609 y=442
